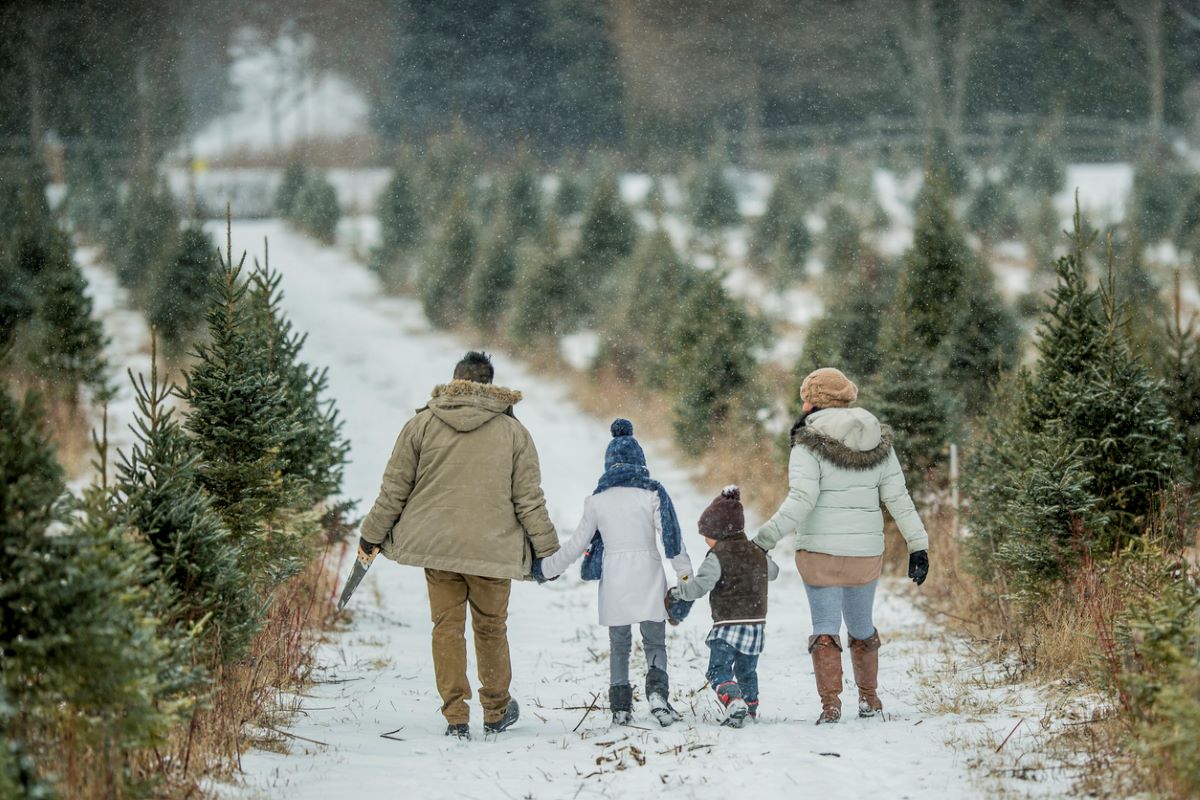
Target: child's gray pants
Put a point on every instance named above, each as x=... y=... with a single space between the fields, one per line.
x=620 y=640
x=829 y=604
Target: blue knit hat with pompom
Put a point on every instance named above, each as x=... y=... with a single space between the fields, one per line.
x=623 y=449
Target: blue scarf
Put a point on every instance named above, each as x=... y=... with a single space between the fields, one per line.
x=634 y=477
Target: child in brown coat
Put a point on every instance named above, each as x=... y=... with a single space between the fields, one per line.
x=734 y=575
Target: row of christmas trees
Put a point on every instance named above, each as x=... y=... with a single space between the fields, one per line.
x=129 y=612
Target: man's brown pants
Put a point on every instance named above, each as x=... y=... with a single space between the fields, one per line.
x=449 y=595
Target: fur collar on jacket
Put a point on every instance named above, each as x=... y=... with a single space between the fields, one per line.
x=508 y=397
x=835 y=452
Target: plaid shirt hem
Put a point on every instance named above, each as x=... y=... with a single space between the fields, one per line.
x=746 y=639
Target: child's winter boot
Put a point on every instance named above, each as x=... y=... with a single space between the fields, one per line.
x=752 y=706
x=730 y=695
x=658 y=690
x=826 y=653
x=620 y=702
x=864 y=656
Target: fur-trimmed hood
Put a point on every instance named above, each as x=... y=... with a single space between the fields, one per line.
x=851 y=438
x=466 y=405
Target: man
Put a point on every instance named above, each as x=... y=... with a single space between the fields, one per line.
x=462 y=497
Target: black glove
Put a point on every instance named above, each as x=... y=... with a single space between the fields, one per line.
x=367 y=547
x=918 y=566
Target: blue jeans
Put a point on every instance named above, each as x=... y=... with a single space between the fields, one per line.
x=726 y=664
x=830 y=604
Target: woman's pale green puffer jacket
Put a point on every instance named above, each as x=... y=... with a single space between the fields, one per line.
x=841 y=469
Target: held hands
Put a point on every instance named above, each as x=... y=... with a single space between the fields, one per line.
x=536 y=571
x=918 y=566
x=677 y=609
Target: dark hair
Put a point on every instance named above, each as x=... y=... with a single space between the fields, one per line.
x=475 y=367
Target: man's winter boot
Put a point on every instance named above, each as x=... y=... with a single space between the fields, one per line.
x=620 y=702
x=826 y=653
x=511 y=715
x=730 y=695
x=658 y=692
x=461 y=731
x=864 y=656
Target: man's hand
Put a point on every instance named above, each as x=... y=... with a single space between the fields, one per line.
x=367 y=548
x=918 y=566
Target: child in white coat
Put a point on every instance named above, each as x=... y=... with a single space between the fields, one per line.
x=623 y=522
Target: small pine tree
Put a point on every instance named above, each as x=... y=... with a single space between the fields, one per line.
x=935 y=268
x=910 y=396
x=17 y=300
x=146 y=237
x=316 y=209
x=1035 y=167
x=982 y=345
x=80 y=646
x=545 y=302
x=1178 y=363
x=314 y=453
x=712 y=365
x=522 y=201
x=68 y=343
x=92 y=201
x=494 y=279
x=607 y=237
x=571 y=196
x=637 y=335
x=992 y=216
x=1160 y=189
x=181 y=291
x=240 y=421
x=400 y=224
x=842 y=240
x=847 y=336
x=714 y=204
x=781 y=241
x=196 y=559
x=444 y=283
x=295 y=178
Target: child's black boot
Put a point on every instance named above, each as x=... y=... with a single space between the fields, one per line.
x=620 y=702
x=658 y=690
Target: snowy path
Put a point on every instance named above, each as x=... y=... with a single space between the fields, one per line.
x=376 y=677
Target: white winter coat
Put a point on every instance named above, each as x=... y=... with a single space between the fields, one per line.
x=633 y=582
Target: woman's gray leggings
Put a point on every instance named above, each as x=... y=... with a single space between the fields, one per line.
x=620 y=641
x=829 y=604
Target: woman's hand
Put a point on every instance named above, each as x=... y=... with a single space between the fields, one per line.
x=918 y=566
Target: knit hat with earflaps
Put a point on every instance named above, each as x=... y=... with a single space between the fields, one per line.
x=724 y=516
x=828 y=388
x=623 y=449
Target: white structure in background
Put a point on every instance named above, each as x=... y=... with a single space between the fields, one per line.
x=281 y=100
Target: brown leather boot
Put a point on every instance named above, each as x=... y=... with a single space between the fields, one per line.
x=826 y=653
x=864 y=655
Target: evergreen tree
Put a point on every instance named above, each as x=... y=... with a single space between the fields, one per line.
x=240 y=421
x=146 y=237
x=92 y=201
x=847 y=335
x=523 y=201
x=910 y=396
x=313 y=455
x=295 y=178
x=182 y=289
x=637 y=337
x=316 y=208
x=1035 y=167
x=781 y=240
x=400 y=223
x=1178 y=363
x=607 y=236
x=444 y=283
x=195 y=556
x=714 y=204
x=545 y=303
x=982 y=345
x=78 y=642
x=711 y=364
x=571 y=197
x=494 y=279
x=69 y=342
x=17 y=300
x=991 y=215
x=935 y=268
x=843 y=241
x=1160 y=189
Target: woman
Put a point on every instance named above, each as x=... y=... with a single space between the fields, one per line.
x=841 y=467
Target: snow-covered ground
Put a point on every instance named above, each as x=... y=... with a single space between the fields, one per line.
x=375 y=677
